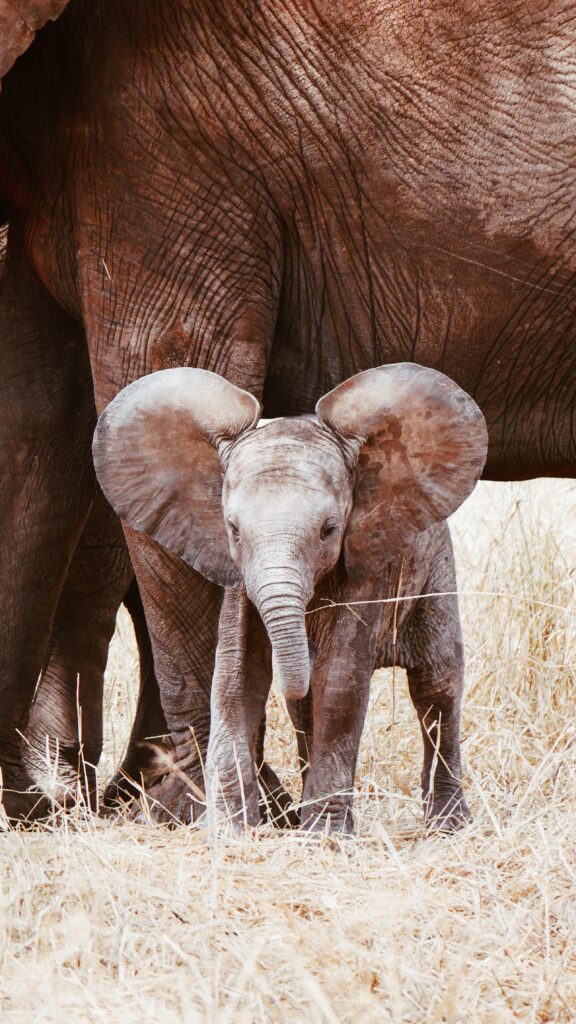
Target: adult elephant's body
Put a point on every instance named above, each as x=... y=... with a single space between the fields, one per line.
x=352 y=183
x=289 y=193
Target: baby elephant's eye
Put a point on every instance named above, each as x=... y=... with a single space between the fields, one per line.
x=328 y=528
x=234 y=531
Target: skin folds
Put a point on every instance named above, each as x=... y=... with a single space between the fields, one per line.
x=286 y=194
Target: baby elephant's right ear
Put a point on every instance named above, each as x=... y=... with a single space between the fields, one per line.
x=156 y=457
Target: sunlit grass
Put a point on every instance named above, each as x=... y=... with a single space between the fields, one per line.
x=109 y=922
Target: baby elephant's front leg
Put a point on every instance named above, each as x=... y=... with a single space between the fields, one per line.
x=242 y=678
x=341 y=687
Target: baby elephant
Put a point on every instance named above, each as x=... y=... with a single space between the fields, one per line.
x=345 y=508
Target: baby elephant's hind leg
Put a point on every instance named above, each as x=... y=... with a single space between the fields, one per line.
x=435 y=671
x=437 y=702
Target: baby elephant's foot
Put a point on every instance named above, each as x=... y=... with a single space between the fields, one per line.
x=233 y=804
x=331 y=814
x=223 y=823
x=446 y=812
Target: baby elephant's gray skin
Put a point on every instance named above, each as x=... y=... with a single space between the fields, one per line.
x=348 y=505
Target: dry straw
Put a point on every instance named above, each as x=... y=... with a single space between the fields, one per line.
x=131 y=923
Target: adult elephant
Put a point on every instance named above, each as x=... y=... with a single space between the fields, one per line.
x=64 y=732
x=285 y=194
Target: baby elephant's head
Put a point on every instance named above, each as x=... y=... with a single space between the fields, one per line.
x=180 y=456
x=286 y=499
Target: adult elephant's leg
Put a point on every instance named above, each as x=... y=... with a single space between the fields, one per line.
x=191 y=284
x=46 y=422
x=435 y=666
x=64 y=734
x=340 y=690
x=276 y=805
x=282 y=809
x=182 y=611
x=140 y=762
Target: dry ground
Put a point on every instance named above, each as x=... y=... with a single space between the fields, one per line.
x=130 y=923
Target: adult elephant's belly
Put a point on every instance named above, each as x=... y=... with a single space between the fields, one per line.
x=430 y=200
x=501 y=319
x=496 y=311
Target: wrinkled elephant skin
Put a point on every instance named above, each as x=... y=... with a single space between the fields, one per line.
x=285 y=194
x=19 y=21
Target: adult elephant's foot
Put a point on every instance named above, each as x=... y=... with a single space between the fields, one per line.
x=64 y=771
x=25 y=806
x=177 y=799
x=21 y=798
x=144 y=765
x=276 y=804
x=121 y=790
x=170 y=789
x=446 y=811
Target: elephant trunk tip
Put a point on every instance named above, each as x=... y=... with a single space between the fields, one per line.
x=293 y=685
x=294 y=692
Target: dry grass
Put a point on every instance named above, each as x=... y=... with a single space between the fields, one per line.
x=104 y=922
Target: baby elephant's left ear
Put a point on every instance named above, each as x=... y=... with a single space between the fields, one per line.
x=422 y=447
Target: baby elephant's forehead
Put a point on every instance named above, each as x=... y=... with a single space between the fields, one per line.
x=287 y=444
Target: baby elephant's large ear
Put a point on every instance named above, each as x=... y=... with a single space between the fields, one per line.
x=156 y=457
x=423 y=444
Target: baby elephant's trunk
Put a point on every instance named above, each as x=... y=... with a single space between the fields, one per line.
x=281 y=596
